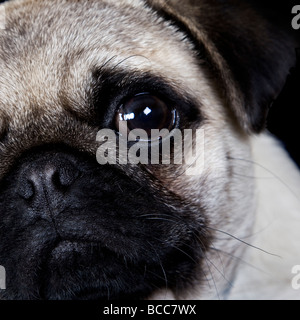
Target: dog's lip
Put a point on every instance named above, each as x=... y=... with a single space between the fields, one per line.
x=63 y=247
x=69 y=256
x=69 y=244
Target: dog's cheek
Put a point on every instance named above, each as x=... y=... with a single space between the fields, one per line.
x=221 y=186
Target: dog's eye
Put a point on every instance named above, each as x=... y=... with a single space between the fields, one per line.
x=146 y=111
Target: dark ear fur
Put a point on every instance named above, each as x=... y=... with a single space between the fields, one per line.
x=249 y=56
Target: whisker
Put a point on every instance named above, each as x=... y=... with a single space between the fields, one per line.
x=242 y=241
x=162 y=219
x=251 y=177
x=269 y=171
x=219 y=257
x=221 y=272
x=161 y=266
x=238 y=259
x=107 y=62
x=210 y=264
x=212 y=279
x=129 y=57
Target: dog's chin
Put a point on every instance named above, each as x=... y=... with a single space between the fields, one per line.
x=75 y=270
x=88 y=271
x=77 y=230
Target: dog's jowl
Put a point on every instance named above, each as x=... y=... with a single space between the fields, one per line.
x=146 y=225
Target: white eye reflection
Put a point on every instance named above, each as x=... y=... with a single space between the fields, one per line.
x=131 y=116
x=147 y=111
x=125 y=117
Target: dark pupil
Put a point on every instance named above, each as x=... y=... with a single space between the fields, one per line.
x=147 y=112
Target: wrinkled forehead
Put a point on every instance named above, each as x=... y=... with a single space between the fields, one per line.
x=46 y=42
x=94 y=31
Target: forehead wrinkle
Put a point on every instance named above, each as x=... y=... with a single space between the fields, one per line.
x=64 y=53
x=59 y=62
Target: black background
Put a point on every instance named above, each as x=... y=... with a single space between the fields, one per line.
x=284 y=117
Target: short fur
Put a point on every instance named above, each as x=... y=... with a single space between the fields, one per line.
x=72 y=229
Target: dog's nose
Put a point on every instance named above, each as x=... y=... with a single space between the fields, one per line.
x=47 y=177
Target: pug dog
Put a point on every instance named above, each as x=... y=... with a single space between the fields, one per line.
x=72 y=228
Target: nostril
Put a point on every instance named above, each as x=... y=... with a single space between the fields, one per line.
x=26 y=189
x=46 y=176
x=53 y=178
x=65 y=175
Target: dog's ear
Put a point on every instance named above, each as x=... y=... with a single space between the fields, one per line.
x=249 y=56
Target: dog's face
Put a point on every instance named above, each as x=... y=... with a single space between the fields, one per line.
x=72 y=228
